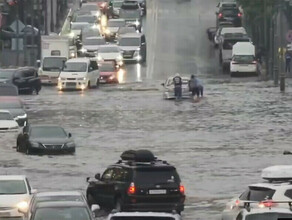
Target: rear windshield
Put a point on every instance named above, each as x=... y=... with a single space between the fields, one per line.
x=141 y=218
x=130 y=6
x=156 y=176
x=269 y=216
x=228 y=44
x=257 y=194
x=243 y=58
x=230 y=12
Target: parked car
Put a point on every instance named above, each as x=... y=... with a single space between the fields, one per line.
x=25 y=78
x=15 y=195
x=7 y=122
x=44 y=139
x=138 y=182
x=15 y=106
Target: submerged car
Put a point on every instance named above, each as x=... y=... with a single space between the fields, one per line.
x=168 y=88
x=44 y=139
x=108 y=72
x=7 y=122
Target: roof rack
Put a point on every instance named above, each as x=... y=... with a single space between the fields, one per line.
x=280 y=173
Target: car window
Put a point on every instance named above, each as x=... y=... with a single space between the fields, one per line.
x=120 y=174
x=93 y=64
x=156 y=176
x=107 y=175
x=244 y=196
x=143 y=40
x=288 y=193
x=28 y=73
x=260 y=193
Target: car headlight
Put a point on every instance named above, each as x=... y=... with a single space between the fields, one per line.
x=60 y=78
x=137 y=23
x=99 y=58
x=107 y=31
x=70 y=144
x=112 y=77
x=72 y=54
x=22 y=206
x=22 y=116
x=71 y=34
x=83 y=50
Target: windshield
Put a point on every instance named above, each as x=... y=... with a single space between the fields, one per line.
x=6 y=74
x=88 y=19
x=230 y=12
x=62 y=213
x=109 y=50
x=117 y=4
x=5 y=116
x=141 y=218
x=107 y=68
x=48 y=132
x=99 y=41
x=129 y=6
x=75 y=67
x=134 y=41
x=156 y=176
x=244 y=58
x=112 y=23
x=127 y=30
x=9 y=187
x=53 y=63
x=130 y=14
x=10 y=105
x=90 y=32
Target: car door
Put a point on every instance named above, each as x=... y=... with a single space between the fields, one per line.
x=120 y=179
x=19 y=79
x=95 y=72
x=143 y=47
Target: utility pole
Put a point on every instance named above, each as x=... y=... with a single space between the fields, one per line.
x=276 y=46
x=17 y=35
x=281 y=56
x=24 y=34
x=266 y=34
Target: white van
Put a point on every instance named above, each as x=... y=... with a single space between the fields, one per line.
x=79 y=73
x=243 y=59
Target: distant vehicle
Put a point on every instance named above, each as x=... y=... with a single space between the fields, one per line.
x=126 y=30
x=279 y=188
x=62 y=210
x=44 y=139
x=91 y=19
x=91 y=45
x=54 y=196
x=90 y=8
x=138 y=182
x=226 y=29
x=133 y=46
x=168 y=88
x=113 y=26
x=227 y=5
x=132 y=13
x=80 y=74
x=90 y=32
x=110 y=53
x=7 y=122
x=24 y=78
x=15 y=194
x=115 y=7
x=230 y=14
x=77 y=27
x=226 y=45
x=143 y=216
x=15 y=106
x=108 y=72
x=243 y=59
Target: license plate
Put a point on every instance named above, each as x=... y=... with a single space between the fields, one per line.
x=4 y=214
x=102 y=81
x=157 y=191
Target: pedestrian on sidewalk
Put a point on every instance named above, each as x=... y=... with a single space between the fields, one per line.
x=288 y=61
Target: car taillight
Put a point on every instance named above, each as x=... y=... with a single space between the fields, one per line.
x=239 y=14
x=182 y=189
x=268 y=203
x=132 y=189
x=254 y=62
x=220 y=15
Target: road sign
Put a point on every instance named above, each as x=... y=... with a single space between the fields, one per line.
x=289 y=36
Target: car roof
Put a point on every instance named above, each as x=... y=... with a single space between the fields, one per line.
x=132 y=35
x=4 y=111
x=59 y=193
x=12 y=177
x=93 y=38
x=61 y=204
x=183 y=78
x=82 y=59
x=117 y=19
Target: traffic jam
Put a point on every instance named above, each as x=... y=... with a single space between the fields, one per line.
x=68 y=124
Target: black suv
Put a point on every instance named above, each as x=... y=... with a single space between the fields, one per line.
x=138 y=182
x=25 y=78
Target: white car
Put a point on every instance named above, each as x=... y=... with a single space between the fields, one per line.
x=143 y=215
x=80 y=74
x=110 y=53
x=15 y=195
x=168 y=87
x=7 y=122
x=112 y=28
x=218 y=38
x=278 y=189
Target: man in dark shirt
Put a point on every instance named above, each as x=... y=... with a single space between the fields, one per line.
x=177 y=81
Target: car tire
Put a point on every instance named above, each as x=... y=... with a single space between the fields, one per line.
x=232 y=74
x=118 y=205
x=34 y=91
x=90 y=200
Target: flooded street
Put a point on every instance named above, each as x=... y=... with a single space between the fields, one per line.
x=218 y=145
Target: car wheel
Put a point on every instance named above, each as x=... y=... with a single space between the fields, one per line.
x=118 y=205
x=34 y=91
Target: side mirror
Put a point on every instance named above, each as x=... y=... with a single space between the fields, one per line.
x=69 y=135
x=97 y=176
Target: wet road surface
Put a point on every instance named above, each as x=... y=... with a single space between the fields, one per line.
x=218 y=145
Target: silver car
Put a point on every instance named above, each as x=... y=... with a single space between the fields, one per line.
x=168 y=86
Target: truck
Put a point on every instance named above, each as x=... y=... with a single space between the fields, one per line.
x=55 y=51
x=243 y=59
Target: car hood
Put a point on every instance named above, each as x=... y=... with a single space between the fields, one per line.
x=72 y=74
x=12 y=200
x=16 y=112
x=91 y=47
x=113 y=29
x=127 y=48
x=4 y=80
x=107 y=73
x=50 y=140
x=76 y=32
x=109 y=56
x=8 y=123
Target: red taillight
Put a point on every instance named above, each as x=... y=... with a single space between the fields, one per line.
x=268 y=203
x=220 y=15
x=182 y=189
x=254 y=62
x=239 y=14
x=132 y=189
x=237 y=202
